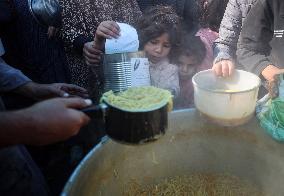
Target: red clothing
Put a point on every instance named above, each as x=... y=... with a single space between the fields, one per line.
x=208 y=37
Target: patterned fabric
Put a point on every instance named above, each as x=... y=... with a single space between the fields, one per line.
x=230 y=28
x=81 y=18
x=165 y=75
x=208 y=37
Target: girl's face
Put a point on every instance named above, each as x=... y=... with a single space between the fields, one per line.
x=187 y=66
x=158 y=49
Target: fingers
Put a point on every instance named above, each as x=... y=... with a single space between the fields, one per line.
x=91 y=54
x=108 y=30
x=52 y=91
x=74 y=90
x=231 y=68
x=73 y=87
x=81 y=118
x=51 y=31
x=217 y=68
x=76 y=103
x=224 y=68
x=92 y=61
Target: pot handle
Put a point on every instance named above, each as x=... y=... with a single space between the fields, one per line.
x=96 y=111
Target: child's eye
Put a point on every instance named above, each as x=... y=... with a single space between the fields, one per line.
x=154 y=42
x=167 y=45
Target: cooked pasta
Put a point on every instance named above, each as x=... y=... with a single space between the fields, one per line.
x=195 y=185
x=139 y=98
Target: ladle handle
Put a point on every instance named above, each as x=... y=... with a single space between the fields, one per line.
x=96 y=111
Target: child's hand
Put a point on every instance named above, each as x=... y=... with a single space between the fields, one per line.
x=224 y=68
x=107 y=30
x=92 y=53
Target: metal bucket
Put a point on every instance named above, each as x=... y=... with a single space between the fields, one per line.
x=118 y=71
x=190 y=145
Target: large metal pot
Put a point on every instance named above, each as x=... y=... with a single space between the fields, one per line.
x=190 y=145
x=229 y=101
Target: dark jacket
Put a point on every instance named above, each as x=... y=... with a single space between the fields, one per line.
x=28 y=47
x=187 y=9
x=261 y=41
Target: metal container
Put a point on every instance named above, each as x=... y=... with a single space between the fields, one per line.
x=118 y=71
x=228 y=101
x=135 y=127
x=190 y=145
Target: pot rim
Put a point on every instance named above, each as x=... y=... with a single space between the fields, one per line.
x=157 y=107
x=221 y=91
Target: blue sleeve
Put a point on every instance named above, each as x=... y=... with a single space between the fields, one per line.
x=10 y=78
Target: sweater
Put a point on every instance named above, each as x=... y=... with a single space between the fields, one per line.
x=226 y=45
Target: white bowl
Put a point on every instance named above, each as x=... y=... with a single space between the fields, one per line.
x=228 y=101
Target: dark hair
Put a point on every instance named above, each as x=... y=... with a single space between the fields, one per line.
x=191 y=45
x=212 y=12
x=156 y=21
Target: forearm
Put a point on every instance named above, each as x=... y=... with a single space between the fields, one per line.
x=226 y=45
x=26 y=90
x=223 y=51
x=270 y=71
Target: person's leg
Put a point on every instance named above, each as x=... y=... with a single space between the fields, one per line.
x=19 y=175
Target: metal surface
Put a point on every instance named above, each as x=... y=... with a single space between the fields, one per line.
x=190 y=145
x=117 y=70
x=133 y=126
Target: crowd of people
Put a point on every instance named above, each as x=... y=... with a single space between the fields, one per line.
x=50 y=70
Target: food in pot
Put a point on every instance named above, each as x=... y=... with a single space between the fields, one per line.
x=195 y=185
x=139 y=98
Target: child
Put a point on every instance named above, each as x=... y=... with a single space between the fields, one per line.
x=189 y=57
x=158 y=31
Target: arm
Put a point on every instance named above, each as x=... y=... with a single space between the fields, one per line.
x=254 y=49
x=11 y=78
x=92 y=51
x=44 y=123
x=226 y=45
